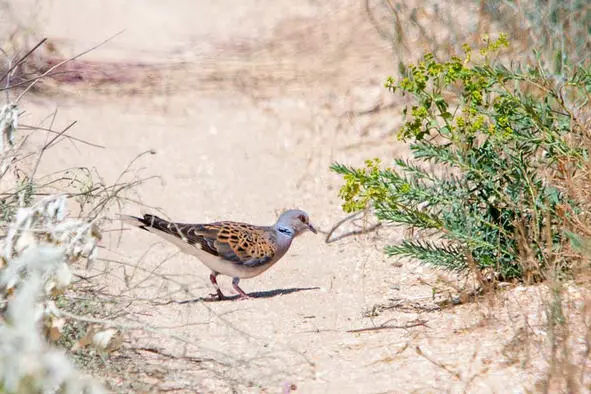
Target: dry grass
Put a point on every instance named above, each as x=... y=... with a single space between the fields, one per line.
x=569 y=334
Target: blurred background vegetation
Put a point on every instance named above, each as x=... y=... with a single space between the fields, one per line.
x=558 y=30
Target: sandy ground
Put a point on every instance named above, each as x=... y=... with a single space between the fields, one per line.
x=245 y=105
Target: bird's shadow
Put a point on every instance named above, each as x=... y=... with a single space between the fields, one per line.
x=253 y=295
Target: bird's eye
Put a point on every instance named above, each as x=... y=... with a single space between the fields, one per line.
x=302 y=218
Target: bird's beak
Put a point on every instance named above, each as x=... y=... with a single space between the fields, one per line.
x=312 y=228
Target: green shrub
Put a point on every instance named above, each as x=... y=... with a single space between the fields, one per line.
x=500 y=137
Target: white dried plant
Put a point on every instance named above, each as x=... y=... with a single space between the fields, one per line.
x=34 y=263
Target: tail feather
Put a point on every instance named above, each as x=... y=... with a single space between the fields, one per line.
x=163 y=228
x=148 y=221
x=132 y=220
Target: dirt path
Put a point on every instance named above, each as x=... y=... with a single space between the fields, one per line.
x=247 y=108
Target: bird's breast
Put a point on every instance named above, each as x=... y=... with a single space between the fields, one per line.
x=230 y=268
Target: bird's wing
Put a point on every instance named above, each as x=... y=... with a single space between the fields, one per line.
x=237 y=242
x=244 y=243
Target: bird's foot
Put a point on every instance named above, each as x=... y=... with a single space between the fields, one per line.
x=217 y=296
x=243 y=295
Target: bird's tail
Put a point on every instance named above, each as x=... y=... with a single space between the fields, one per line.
x=172 y=232
x=132 y=220
x=148 y=221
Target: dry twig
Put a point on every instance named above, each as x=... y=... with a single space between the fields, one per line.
x=329 y=238
x=391 y=327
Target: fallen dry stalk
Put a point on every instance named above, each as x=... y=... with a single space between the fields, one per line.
x=349 y=218
x=416 y=323
x=437 y=363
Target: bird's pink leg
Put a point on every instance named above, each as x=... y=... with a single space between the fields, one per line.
x=214 y=281
x=243 y=295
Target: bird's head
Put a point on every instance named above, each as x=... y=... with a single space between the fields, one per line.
x=294 y=222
